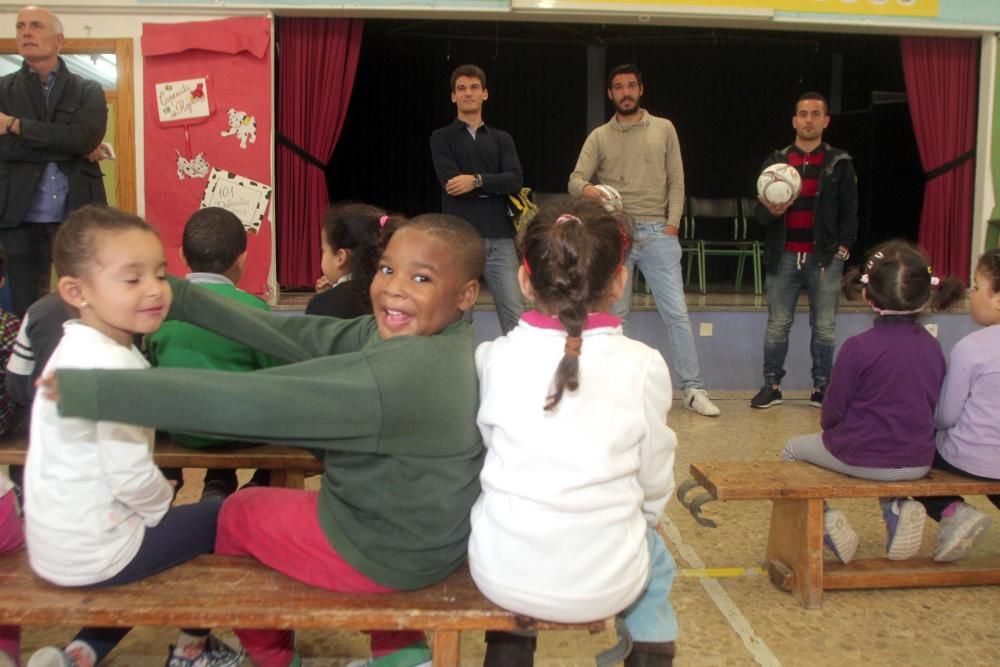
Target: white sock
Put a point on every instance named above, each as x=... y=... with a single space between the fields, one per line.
x=80 y=654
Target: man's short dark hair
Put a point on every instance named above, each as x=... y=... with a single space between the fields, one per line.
x=463 y=239
x=213 y=240
x=471 y=71
x=811 y=95
x=627 y=68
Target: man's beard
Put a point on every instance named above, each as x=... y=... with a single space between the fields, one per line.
x=627 y=112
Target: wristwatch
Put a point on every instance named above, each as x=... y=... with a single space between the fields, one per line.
x=477 y=180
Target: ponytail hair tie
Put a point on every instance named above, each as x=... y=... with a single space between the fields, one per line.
x=573 y=345
x=567 y=217
x=383 y=220
x=935 y=281
x=864 y=278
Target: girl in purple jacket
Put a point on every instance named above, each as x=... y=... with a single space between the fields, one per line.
x=878 y=413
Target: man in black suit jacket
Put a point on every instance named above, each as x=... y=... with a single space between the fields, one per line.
x=51 y=124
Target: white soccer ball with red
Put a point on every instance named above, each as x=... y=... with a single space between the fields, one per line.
x=612 y=198
x=779 y=184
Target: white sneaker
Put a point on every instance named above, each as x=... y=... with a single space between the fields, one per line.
x=958 y=532
x=904 y=526
x=838 y=535
x=698 y=400
x=49 y=656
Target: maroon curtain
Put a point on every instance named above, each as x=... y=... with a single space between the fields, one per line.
x=318 y=59
x=941 y=84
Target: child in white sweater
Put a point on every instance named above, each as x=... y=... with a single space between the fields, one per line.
x=579 y=461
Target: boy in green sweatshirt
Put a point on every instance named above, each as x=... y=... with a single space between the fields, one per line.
x=390 y=399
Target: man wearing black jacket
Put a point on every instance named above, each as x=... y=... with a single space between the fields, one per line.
x=807 y=241
x=478 y=167
x=51 y=123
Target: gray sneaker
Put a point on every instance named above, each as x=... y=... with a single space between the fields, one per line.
x=958 y=532
x=698 y=400
x=904 y=527
x=838 y=535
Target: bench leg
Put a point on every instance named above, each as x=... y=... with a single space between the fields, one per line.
x=445 y=648
x=795 y=549
x=289 y=479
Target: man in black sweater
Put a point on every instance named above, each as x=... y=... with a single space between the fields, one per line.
x=478 y=167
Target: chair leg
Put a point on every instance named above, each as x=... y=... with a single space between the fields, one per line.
x=757 y=270
x=701 y=268
x=740 y=262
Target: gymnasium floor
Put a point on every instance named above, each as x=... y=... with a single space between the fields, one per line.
x=735 y=616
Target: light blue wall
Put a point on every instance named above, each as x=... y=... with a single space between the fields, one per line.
x=732 y=358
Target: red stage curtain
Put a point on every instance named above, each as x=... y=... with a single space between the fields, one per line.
x=941 y=84
x=317 y=62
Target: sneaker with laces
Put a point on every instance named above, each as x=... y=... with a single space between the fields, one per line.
x=414 y=655
x=767 y=396
x=904 y=527
x=816 y=398
x=216 y=654
x=698 y=400
x=838 y=535
x=958 y=532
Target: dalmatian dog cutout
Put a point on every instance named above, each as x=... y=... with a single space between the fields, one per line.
x=242 y=125
x=197 y=167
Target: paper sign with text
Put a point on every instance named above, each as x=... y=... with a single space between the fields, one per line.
x=183 y=102
x=241 y=196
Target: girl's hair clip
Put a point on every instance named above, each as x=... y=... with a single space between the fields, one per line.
x=864 y=278
x=383 y=220
x=567 y=217
x=935 y=281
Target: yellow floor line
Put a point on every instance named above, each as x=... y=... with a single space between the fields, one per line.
x=721 y=572
x=760 y=652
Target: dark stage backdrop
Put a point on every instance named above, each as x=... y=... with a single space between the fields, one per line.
x=730 y=94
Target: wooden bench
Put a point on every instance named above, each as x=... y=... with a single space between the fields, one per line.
x=794 y=557
x=288 y=465
x=227 y=591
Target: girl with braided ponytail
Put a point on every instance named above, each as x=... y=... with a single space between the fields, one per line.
x=579 y=458
x=878 y=413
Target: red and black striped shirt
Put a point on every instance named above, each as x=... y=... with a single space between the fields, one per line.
x=799 y=218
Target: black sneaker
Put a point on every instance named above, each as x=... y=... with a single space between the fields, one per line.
x=766 y=397
x=816 y=398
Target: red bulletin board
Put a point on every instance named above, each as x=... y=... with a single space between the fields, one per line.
x=235 y=56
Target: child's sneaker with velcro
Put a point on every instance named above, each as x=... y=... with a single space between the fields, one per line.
x=904 y=527
x=838 y=535
x=414 y=655
x=958 y=531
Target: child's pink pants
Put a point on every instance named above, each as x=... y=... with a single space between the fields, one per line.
x=280 y=528
x=11 y=537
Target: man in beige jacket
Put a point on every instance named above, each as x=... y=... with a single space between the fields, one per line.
x=639 y=155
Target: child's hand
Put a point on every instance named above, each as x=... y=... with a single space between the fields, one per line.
x=48 y=386
x=322 y=284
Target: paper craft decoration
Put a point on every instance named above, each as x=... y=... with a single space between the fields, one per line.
x=243 y=125
x=195 y=168
x=184 y=102
x=246 y=199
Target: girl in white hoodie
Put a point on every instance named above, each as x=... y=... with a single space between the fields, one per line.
x=579 y=461
x=97 y=509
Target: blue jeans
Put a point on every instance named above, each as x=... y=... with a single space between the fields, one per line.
x=659 y=258
x=822 y=285
x=500 y=272
x=651 y=618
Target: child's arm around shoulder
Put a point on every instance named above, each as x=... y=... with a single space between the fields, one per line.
x=656 y=450
x=289 y=338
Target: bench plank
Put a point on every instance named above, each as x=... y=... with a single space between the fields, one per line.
x=231 y=591
x=289 y=464
x=767 y=480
